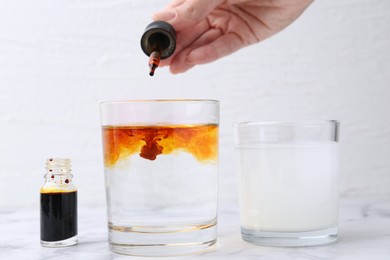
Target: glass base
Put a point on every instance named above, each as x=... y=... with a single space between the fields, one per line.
x=162 y=241
x=62 y=243
x=290 y=239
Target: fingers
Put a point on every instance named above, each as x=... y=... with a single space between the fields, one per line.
x=180 y=64
x=186 y=38
x=222 y=46
x=188 y=19
x=184 y=14
x=210 y=47
x=174 y=4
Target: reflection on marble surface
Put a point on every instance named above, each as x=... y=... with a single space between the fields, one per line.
x=364 y=234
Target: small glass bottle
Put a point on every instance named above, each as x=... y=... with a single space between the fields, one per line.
x=58 y=207
x=158 y=42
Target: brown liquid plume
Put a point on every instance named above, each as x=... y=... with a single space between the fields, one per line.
x=150 y=141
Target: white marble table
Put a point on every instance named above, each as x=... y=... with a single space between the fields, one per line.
x=364 y=234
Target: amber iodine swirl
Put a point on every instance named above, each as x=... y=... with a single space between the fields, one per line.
x=150 y=141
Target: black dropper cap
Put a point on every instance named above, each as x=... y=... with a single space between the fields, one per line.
x=159 y=36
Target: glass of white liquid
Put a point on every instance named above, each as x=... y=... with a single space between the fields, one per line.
x=161 y=166
x=288 y=182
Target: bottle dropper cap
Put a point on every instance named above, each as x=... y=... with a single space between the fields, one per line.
x=158 y=42
x=159 y=36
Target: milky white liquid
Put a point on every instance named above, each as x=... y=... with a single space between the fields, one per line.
x=289 y=188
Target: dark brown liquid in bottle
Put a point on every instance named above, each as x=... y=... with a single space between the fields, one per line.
x=58 y=216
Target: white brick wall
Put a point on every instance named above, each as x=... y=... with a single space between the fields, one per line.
x=59 y=59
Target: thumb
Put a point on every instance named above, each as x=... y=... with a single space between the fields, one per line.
x=187 y=13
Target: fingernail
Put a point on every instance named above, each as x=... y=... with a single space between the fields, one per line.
x=164 y=15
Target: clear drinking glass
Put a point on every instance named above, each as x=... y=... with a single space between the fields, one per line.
x=288 y=182
x=161 y=165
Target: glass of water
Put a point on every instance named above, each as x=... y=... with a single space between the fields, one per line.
x=288 y=182
x=161 y=165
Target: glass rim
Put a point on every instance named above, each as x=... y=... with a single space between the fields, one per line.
x=318 y=122
x=173 y=100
